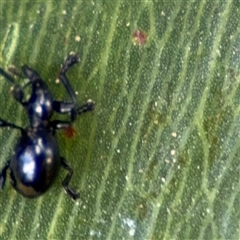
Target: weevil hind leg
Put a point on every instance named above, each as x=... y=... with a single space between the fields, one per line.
x=3 y=175
x=73 y=194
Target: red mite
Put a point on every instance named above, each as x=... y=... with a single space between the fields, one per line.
x=69 y=132
x=139 y=37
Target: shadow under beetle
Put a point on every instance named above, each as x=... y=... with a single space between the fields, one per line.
x=36 y=159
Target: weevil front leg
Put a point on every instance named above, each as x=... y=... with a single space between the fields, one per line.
x=71 y=107
x=71 y=60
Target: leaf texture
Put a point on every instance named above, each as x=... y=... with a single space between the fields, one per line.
x=159 y=156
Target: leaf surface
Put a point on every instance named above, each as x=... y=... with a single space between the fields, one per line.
x=158 y=158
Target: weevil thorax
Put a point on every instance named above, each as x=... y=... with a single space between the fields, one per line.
x=40 y=107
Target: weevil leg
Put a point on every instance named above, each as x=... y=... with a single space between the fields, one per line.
x=59 y=124
x=3 y=175
x=7 y=76
x=69 y=62
x=69 y=107
x=4 y=123
x=65 y=107
x=89 y=106
x=73 y=194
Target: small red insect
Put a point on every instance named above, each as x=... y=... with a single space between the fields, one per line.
x=139 y=37
x=69 y=132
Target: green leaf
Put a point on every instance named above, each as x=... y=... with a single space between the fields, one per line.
x=159 y=156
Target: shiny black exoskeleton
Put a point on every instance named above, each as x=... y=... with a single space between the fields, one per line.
x=36 y=160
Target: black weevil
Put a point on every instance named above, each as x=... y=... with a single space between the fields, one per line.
x=36 y=159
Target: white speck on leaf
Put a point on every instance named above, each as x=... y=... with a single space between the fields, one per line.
x=173 y=152
x=174 y=134
x=77 y=38
x=130 y=224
